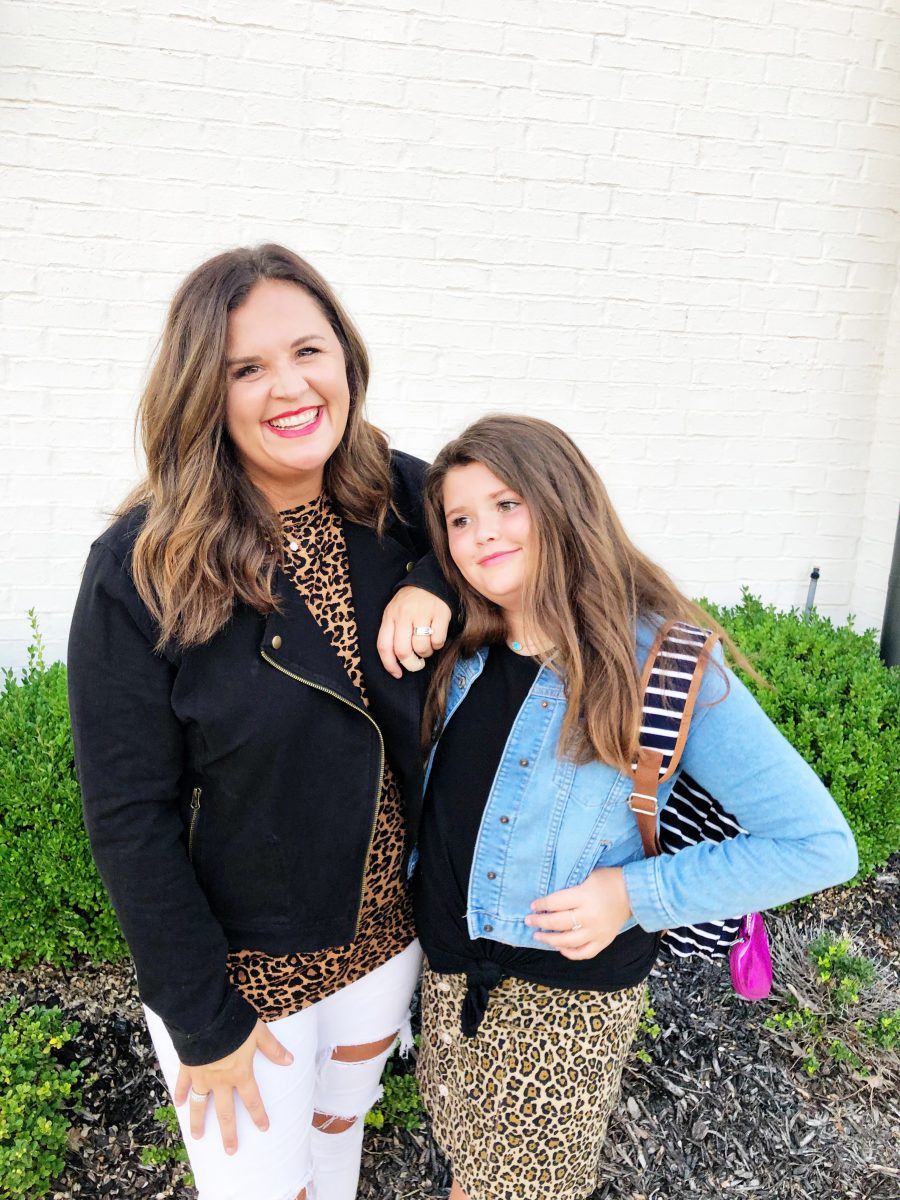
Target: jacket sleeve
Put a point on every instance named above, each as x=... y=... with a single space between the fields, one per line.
x=130 y=759
x=797 y=840
x=409 y=486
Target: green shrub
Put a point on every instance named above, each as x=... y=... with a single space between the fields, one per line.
x=52 y=903
x=401 y=1104
x=35 y=1091
x=835 y=700
x=172 y=1149
x=648 y=1031
x=824 y=1027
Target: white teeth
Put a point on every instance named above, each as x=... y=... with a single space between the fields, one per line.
x=295 y=422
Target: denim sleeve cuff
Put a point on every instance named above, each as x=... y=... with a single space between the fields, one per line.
x=642 y=882
x=231 y=1028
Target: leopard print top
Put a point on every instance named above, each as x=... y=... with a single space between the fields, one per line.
x=315 y=560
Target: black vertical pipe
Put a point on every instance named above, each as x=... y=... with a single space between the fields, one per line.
x=890 y=629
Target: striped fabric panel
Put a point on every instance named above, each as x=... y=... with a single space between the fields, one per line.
x=691 y=814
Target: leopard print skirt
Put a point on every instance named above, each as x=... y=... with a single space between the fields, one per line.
x=521 y=1109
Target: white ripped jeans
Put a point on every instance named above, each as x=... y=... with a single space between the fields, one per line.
x=291 y=1154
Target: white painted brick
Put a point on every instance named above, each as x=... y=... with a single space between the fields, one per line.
x=629 y=260
x=626 y=114
x=203 y=39
x=838 y=48
x=871 y=82
x=800 y=14
x=879 y=169
x=672 y=30
x=456 y=34
x=592 y=81
x=563 y=46
x=628 y=172
x=752 y=39
x=880 y=138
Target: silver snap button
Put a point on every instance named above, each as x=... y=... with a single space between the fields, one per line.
x=488 y=929
x=523 y=762
x=293 y=546
x=492 y=874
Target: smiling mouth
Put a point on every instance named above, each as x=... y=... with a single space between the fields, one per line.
x=493 y=558
x=298 y=420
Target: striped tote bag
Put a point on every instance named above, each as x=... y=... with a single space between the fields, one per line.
x=671 y=681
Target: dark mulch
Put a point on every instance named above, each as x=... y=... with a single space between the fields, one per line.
x=722 y=1108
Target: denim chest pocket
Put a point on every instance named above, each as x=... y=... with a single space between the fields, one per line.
x=603 y=831
x=596 y=787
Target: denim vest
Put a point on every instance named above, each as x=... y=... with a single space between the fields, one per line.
x=548 y=822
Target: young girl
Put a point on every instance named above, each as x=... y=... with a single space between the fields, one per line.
x=537 y=910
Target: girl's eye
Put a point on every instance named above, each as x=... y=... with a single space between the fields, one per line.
x=307 y=351
x=243 y=372
x=459 y=522
x=508 y=505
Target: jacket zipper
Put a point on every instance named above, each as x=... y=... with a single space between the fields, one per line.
x=328 y=692
x=195 y=816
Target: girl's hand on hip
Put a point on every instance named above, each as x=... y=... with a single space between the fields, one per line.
x=221 y=1079
x=581 y=921
x=414 y=625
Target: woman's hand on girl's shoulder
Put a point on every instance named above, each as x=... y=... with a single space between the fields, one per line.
x=402 y=640
x=581 y=921
x=219 y=1081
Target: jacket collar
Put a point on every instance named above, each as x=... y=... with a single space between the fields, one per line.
x=295 y=642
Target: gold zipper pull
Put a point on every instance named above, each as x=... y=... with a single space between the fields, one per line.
x=195 y=798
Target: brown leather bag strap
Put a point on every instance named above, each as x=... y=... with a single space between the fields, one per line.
x=645 y=772
x=642 y=801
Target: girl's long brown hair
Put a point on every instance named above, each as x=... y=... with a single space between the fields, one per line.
x=208 y=535
x=586 y=589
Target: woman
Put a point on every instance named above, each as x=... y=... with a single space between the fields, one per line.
x=537 y=910
x=248 y=768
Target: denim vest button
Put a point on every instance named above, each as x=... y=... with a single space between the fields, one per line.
x=460 y=681
x=488 y=929
x=504 y=820
x=523 y=762
x=492 y=874
x=545 y=704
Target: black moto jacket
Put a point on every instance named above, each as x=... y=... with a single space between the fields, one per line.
x=230 y=789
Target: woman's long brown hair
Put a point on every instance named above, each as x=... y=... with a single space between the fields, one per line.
x=208 y=533
x=587 y=587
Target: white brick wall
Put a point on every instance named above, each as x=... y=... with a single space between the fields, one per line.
x=671 y=225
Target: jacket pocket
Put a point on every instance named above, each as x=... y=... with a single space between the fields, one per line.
x=237 y=858
x=603 y=832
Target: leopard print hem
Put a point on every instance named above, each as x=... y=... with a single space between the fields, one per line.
x=521 y=1109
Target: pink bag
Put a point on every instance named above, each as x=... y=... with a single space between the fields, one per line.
x=749 y=959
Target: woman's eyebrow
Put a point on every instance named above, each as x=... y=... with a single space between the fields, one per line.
x=300 y=341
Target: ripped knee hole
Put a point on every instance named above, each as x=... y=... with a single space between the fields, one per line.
x=363 y=1053
x=327 y=1124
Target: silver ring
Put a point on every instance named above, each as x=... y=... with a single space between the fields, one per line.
x=422 y=631
x=198 y=1097
x=576 y=924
